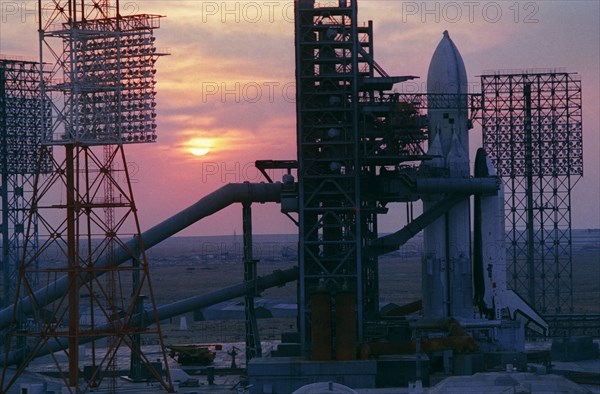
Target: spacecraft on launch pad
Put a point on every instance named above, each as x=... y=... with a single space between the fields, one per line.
x=446 y=269
x=451 y=281
x=357 y=145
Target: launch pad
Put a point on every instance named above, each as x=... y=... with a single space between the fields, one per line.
x=361 y=147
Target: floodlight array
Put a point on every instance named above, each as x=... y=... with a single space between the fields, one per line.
x=109 y=81
x=22 y=116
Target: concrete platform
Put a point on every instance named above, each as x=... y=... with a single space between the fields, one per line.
x=283 y=375
x=507 y=382
x=488 y=383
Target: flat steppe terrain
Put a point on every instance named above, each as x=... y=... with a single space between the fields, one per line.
x=182 y=267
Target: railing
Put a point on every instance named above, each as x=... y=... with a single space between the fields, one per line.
x=576 y=324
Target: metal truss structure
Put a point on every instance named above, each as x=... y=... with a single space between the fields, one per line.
x=101 y=93
x=21 y=117
x=107 y=81
x=532 y=130
x=349 y=130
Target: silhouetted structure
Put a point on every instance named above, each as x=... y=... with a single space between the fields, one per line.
x=532 y=130
x=101 y=91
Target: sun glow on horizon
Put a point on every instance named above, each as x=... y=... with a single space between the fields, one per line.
x=199 y=146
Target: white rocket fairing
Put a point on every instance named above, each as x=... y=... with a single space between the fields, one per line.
x=494 y=298
x=489 y=245
x=434 y=275
x=447 y=242
x=447 y=76
x=450 y=283
x=458 y=237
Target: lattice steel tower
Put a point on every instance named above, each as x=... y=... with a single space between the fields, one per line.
x=532 y=130
x=21 y=114
x=348 y=132
x=101 y=90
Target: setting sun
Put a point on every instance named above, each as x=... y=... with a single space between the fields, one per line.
x=199 y=146
x=199 y=151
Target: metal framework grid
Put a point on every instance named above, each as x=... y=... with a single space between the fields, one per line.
x=108 y=81
x=532 y=130
x=21 y=117
x=101 y=94
x=328 y=158
x=348 y=131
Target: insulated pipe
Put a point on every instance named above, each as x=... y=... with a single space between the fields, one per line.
x=394 y=241
x=276 y=279
x=206 y=206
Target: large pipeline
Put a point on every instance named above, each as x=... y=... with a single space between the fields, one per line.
x=276 y=279
x=459 y=190
x=394 y=241
x=206 y=206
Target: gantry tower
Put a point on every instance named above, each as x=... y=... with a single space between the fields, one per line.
x=349 y=132
x=102 y=97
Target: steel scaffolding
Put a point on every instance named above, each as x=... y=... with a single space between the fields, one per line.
x=348 y=131
x=532 y=130
x=21 y=114
x=102 y=97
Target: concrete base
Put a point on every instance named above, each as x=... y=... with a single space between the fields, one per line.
x=497 y=335
x=503 y=359
x=506 y=382
x=399 y=371
x=287 y=350
x=284 y=375
x=574 y=349
x=468 y=364
x=289 y=346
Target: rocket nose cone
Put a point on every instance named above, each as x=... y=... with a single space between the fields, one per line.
x=456 y=148
x=481 y=163
x=457 y=159
x=447 y=73
x=435 y=149
x=484 y=167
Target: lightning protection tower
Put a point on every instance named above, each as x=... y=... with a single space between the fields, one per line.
x=101 y=90
x=532 y=130
x=21 y=114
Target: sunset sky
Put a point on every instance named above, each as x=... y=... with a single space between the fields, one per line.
x=226 y=92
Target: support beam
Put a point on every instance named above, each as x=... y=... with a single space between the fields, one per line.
x=253 y=347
